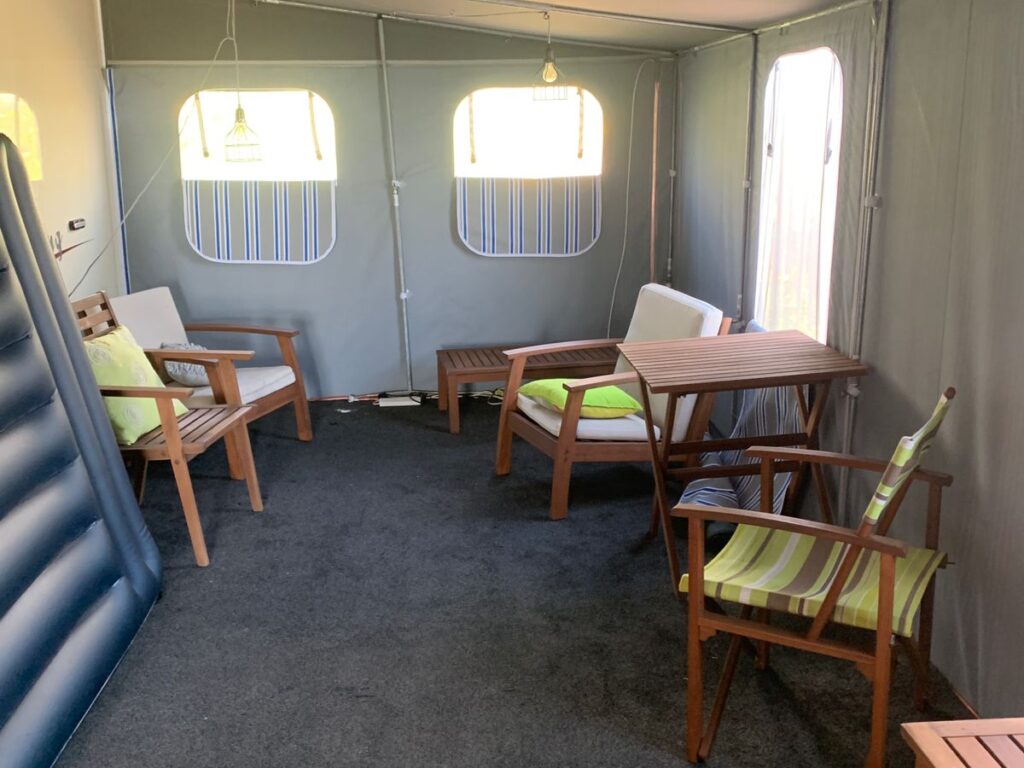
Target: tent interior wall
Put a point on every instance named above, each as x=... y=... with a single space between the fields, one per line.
x=348 y=311
x=943 y=266
x=943 y=262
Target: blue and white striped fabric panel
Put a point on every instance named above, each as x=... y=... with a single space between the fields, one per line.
x=528 y=217
x=260 y=222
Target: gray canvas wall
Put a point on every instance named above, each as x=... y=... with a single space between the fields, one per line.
x=346 y=305
x=944 y=293
x=714 y=87
x=943 y=283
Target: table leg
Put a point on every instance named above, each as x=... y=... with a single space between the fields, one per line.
x=811 y=415
x=659 y=463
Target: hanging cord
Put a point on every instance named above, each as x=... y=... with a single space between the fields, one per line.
x=579 y=149
x=159 y=168
x=229 y=34
x=629 y=178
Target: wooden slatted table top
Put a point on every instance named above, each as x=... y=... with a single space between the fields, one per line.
x=740 y=361
x=971 y=743
x=492 y=359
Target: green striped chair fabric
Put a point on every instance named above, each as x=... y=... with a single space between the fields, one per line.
x=793 y=572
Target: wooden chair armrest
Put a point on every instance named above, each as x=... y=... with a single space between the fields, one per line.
x=609 y=379
x=841 y=460
x=881 y=544
x=560 y=346
x=236 y=328
x=157 y=393
x=198 y=356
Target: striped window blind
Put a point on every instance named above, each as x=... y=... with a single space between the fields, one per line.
x=261 y=222
x=529 y=217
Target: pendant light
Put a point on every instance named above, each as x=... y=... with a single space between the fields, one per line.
x=241 y=145
x=549 y=73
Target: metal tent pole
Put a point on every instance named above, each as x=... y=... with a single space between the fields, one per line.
x=870 y=203
x=396 y=214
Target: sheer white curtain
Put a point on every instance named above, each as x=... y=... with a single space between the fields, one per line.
x=803 y=109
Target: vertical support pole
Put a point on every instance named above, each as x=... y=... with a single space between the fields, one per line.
x=672 y=176
x=748 y=172
x=870 y=202
x=396 y=217
x=656 y=109
x=115 y=151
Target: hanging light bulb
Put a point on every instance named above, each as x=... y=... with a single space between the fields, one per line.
x=549 y=73
x=242 y=144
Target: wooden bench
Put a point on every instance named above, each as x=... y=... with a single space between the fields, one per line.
x=479 y=364
x=997 y=743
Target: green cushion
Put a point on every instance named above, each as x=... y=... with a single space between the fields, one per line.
x=118 y=361
x=598 y=403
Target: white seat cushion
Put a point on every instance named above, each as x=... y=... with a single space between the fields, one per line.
x=253 y=383
x=628 y=428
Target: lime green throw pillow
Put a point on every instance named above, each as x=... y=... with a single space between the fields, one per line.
x=598 y=403
x=118 y=361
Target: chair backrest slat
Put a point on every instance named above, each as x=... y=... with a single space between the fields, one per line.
x=95 y=316
x=905 y=460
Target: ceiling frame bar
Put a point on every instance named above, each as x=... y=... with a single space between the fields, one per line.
x=542 y=7
x=413 y=19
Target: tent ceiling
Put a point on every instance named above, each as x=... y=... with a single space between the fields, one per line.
x=525 y=17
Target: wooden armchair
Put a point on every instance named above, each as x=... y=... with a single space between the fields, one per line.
x=823 y=572
x=660 y=313
x=179 y=439
x=153 y=319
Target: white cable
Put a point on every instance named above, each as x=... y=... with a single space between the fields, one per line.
x=629 y=178
x=159 y=168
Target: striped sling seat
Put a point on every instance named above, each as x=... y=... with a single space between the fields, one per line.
x=792 y=572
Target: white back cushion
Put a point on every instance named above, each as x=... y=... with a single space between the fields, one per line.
x=660 y=314
x=151 y=317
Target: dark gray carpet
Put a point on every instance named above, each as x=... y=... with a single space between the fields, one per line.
x=398 y=605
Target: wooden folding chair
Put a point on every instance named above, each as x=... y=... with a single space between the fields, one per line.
x=179 y=439
x=827 y=573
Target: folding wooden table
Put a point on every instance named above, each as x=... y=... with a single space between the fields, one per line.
x=707 y=365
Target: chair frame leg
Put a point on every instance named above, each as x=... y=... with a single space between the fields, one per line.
x=732 y=658
x=179 y=465
x=694 y=646
x=303 y=421
x=248 y=464
x=235 y=469
x=882 y=667
x=138 y=469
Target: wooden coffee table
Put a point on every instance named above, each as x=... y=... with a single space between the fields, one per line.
x=967 y=743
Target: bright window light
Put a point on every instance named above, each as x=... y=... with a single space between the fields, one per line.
x=803 y=122
x=18 y=121
x=295 y=130
x=528 y=133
